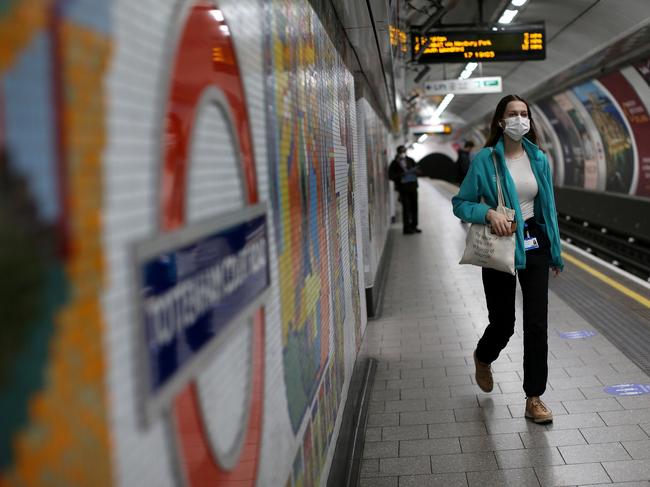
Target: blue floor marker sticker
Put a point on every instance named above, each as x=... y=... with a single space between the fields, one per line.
x=628 y=389
x=572 y=335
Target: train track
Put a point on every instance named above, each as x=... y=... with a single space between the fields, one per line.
x=623 y=251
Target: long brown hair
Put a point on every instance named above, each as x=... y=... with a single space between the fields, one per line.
x=496 y=131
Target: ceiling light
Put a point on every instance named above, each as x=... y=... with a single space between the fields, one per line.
x=518 y=3
x=467 y=72
x=443 y=105
x=508 y=16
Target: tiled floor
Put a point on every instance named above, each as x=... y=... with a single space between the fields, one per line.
x=430 y=425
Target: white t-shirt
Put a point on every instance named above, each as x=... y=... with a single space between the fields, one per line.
x=525 y=182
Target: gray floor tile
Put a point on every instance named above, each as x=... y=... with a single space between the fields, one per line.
x=627 y=471
x=405 y=465
x=414 y=432
x=379 y=482
x=451 y=402
x=633 y=416
x=380 y=395
x=427 y=417
x=405 y=364
x=514 y=425
x=437 y=480
x=438 y=446
x=589 y=370
x=566 y=475
x=481 y=414
x=541 y=439
x=460 y=370
x=592 y=405
x=403 y=406
x=373 y=434
x=496 y=399
x=511 y=387
x=645 y=427
x=380 y=449
x=463 y=462
x=602 y=452
x=429 y=393
x=573 y=421
x=594 y=392
x=573 y=382
x=452 y=380
x=564 y=395
x=428 y=373
x=491 y=443
x=369 y=467
x=608 y=434
x=464 y=390
x=639 y=450
x=641 y=483
x=473 y=428
x=383 y=419
x=635 y=402
x=529 y=457
x=405 y=384
x=376 y=407
x=521 y=477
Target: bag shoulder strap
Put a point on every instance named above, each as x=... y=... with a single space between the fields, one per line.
x=496 y=169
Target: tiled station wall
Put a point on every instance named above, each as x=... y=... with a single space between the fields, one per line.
x=84 y=129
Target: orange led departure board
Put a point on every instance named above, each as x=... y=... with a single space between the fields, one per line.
x=511 y=43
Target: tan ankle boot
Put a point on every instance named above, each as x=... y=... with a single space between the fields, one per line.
x=483 y=375
x=538 y=411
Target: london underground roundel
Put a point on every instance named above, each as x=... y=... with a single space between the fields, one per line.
x=205 y=68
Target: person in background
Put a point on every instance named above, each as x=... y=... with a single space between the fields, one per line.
x=404 y=173
x=528 y=189
x=464 y=158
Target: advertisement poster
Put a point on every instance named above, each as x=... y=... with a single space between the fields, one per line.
x=572 y=152
x=630 y=90
x=592 y=146
x=617 y=140
x=549 y=143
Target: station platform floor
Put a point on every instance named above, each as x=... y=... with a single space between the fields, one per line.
x=430 y=425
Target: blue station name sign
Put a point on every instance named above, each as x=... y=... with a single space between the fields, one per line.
x=195 y=284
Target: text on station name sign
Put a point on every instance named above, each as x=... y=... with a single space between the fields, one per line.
x=519 y=44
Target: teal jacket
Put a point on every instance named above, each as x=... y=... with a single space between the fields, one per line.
x=478 y=194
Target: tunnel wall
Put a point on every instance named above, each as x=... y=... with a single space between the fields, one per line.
x=596 y=133
x=123 y=125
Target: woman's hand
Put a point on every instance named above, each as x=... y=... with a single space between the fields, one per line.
x=556 y=271
x=500 y=224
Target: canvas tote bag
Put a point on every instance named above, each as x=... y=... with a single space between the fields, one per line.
x=486 y=249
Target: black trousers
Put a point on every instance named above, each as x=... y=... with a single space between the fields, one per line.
x=500 y=296
x=409 y=201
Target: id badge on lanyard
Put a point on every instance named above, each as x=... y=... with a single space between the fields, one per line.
x=530 y=243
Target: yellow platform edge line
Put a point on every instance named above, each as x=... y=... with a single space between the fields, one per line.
x=607 y=280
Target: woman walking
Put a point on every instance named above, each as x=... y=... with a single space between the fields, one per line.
x=528 y=189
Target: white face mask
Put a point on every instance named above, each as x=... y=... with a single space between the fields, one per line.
x=516 y=127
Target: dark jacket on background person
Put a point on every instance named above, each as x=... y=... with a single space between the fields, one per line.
x=396 y=173
x=462 y=163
